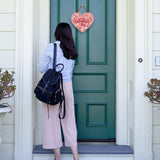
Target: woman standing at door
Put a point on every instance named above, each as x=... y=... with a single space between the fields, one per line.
x=66 y=54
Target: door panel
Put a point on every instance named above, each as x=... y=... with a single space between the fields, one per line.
x=94 y=72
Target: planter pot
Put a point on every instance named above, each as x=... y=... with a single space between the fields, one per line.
x=3 y=110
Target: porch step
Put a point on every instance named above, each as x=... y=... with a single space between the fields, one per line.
x=87 y=152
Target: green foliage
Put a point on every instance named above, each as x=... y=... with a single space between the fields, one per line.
x=7 y=88
x=154 y=91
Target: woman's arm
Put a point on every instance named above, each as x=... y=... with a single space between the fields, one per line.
x=45 y=59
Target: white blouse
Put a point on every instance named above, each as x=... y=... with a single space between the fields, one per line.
x=46 y=62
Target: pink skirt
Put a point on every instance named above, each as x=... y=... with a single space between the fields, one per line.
x=52 y=138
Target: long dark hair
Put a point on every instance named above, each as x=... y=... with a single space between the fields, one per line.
x=63 y=33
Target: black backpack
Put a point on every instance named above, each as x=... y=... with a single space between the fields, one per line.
x=50 y=88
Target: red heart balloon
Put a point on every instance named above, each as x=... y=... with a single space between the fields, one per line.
x=82 y=22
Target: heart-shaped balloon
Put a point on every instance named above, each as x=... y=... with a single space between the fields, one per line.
x=82 y=22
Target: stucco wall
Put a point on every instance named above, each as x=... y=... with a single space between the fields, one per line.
x=156 y=74
x=7 y=61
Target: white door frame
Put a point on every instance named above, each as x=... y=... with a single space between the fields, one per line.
x=142 y=74
x=133 y=40
x=24 y=80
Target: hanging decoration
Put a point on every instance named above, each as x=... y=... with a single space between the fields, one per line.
x=82 y=22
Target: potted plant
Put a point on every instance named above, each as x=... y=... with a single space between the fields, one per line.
x=7 y=89
x=154 y=92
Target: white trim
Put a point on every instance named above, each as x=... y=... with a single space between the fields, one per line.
x=121 y=73
x=130 y=71
x=42 y=30
x=134 y=113
x=124 y=72
x=142 y=74
x=24 y=80
x=86 y=157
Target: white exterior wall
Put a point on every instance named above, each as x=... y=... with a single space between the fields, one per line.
x=156 y=74
x=7 y=61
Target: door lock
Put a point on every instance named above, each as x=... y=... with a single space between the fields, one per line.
x=140 y=60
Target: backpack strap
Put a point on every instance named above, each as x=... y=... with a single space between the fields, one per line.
x=54 y=55
x=62 y=106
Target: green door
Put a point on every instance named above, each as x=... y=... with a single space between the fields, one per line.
x=94 y=73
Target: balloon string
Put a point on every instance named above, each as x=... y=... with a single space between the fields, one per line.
x=83 y=7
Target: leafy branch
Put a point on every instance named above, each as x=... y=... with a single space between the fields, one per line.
x=7 y=88
x=154 y=91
